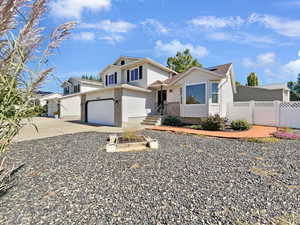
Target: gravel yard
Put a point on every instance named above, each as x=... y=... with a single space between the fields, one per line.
x=189 y=180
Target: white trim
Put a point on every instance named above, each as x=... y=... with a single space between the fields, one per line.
x=192 y=84
x=211 y=93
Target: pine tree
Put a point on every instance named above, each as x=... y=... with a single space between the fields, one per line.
x=182 y=62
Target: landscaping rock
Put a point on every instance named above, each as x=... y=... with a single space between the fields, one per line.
x=188 y=180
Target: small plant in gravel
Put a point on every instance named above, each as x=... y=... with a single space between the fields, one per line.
x=196 y=127
x=286 y=135
x=240 y=125
x=172 y=121
x=263 y=140
x=213 y=123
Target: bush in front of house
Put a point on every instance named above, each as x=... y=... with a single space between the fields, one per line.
x=240 y=125
x=213 y=123
x=172 y=121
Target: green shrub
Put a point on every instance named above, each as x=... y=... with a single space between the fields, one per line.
x=240 y=125
x=172 y=121
x=213 y=123
x=196 y=127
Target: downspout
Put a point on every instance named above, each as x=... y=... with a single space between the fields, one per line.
x=162 y=100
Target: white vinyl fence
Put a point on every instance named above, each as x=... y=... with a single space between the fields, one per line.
x=266 y=113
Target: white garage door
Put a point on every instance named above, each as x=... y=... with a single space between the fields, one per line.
x=70 y=106
x=101 y=112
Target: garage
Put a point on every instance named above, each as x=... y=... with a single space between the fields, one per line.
x=70 y=106
x=101 y=112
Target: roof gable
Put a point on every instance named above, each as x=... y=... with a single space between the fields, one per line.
x=124 y=58
x=220 y=72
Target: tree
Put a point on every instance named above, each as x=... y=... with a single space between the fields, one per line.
x=23 y=66
x=237 y=83
x=294 y=89
x=182 y=62
x=91 y=77
x=252 y=79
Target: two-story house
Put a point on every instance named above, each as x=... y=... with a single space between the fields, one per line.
x=137 y=90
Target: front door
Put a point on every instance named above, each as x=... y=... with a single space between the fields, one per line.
x=161 y=97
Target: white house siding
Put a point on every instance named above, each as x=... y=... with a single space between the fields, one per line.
x=86 y=87
x=154 y=74
x=70 y=106
x=52 y=105
x=134 y=107
x=226 y=95
x=100 y=95
x=173 y=94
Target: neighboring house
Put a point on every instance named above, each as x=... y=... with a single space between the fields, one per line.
x=52 y=102
x=273 y=92
x=38 y=97
x=135 y=89
x=70 y=102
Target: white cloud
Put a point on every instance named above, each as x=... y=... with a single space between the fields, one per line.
x=74 y=8
x=110 y=26
x=216 y=22
x=112 y=39
x=247 y=62
x=285 y=27
x=241 y=37
x=174 y=46
x=292 y=67
x=154 y=25
x=266 y=59
x=262 y=60
x=84 y=36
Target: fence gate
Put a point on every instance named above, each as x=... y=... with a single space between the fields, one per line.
x=265 y=113
x=289 y=115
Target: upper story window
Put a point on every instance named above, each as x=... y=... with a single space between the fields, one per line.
x=135 y=74
x=122 y=62
x=196 y=94
x=66 y=90
x=77 y=88
x=215 y=92
x=111 y=79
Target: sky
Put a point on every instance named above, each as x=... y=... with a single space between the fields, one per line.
x=259 y=36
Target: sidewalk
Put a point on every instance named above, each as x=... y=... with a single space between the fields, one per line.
x=254 y=132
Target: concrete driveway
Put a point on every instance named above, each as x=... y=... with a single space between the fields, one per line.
x=49 y=127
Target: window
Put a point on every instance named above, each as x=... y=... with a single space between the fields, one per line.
x=66 y=90
x=196 y=94
x=111 y=79
x=215 y=92
x=180 y=95
x=77 y=88
x=122 y=62
x=134 y=74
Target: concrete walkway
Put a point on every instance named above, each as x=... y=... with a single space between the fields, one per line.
x=49 y=127
x=254 y=132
